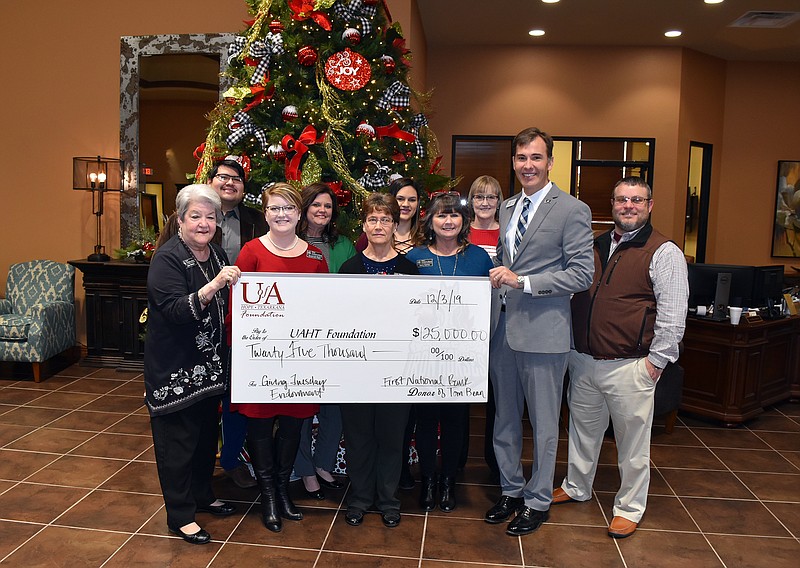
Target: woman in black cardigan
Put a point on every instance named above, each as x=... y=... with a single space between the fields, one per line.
x=186 y=360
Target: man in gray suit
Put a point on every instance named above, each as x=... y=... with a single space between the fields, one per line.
x=544 y=255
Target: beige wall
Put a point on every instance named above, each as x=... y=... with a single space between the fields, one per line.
x=762 y=126
x=702 y=111
x=566 y=92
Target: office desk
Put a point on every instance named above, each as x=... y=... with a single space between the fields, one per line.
x=733 y=372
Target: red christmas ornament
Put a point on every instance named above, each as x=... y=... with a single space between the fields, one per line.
x=275 y=26
x=388 y=64
x=307 y=56
x=276 y=152
x=289 y=113
x=352 y=36
x=348 y=70
x=365 y=129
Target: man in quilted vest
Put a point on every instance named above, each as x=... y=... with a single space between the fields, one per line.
x=626 y=328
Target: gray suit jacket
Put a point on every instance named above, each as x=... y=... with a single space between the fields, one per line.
x=556 y=256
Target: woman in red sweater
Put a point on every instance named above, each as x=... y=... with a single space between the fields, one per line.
x=273 y=451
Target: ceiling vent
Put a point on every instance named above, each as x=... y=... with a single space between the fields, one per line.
x=759 y=19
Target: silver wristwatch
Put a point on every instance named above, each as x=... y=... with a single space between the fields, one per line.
x=521 y=281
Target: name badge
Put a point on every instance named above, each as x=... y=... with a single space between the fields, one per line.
x=425 y=263
x=314 y=255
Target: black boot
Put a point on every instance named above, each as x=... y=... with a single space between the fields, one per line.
x=286 y=443
x=447 y=494
x=261 y=456
x=427 y=495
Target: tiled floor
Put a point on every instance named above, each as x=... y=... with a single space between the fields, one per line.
x=78 y=487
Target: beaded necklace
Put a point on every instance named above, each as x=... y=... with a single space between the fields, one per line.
x=216 y=298
x=439 y=262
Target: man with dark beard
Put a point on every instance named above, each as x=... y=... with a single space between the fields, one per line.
x=626 y=327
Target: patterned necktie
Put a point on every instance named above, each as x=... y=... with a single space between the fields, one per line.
x=522 y=224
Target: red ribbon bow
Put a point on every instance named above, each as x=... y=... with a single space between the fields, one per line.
x=399 y=44
x=304 y=9
x=343 y=196
x=394 y=131
x=261 y=93
x=299 y=146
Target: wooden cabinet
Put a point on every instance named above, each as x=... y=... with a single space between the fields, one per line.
x=116 y=295
x=733 y=372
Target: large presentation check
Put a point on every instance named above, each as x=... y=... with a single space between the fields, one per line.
x=341 y=338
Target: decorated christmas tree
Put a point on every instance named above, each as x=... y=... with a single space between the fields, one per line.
x=321 y=93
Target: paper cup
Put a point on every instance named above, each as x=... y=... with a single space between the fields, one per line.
x=735 y=314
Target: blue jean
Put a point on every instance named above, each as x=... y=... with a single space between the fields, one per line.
x=234 y=430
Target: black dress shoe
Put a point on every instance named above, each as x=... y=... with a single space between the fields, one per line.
x=527 y=521
x=391 y=519
x=503 y=509
x=219 y=510
x=318 y=494
x=330 y=484
x=354 y=518
x=200 y=537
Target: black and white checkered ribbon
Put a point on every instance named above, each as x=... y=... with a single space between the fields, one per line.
x=397 y=95
x=376 y=180
x=417 y=122
x=264 y=50
x=355 y=10
x=235 y=49
x=243 y=126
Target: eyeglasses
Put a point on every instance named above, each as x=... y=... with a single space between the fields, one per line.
x=225 y=178
x=278 y=209
x=488 y=198
x=385 y=221
x=636 y=199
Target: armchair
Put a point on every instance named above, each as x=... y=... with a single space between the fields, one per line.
x=37 y=317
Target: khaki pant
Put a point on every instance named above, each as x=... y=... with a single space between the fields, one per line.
x=623 y=390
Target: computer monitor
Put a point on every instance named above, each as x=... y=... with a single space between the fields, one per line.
x=768 y=289
x=703 y=280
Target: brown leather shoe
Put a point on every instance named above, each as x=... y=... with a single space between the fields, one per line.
x=621 y=527
x=560 y=496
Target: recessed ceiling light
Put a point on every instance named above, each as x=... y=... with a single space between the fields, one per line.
x=673 y=33
x=713 y=1
x=556 y=1
x=536 y=33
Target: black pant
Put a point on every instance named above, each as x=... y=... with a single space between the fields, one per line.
x=185 y=444
x=452 y=418
x=373 y=437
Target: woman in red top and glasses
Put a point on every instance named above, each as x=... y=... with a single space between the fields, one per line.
x=273 y=451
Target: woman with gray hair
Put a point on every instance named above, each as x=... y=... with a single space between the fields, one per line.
x=186 y=360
